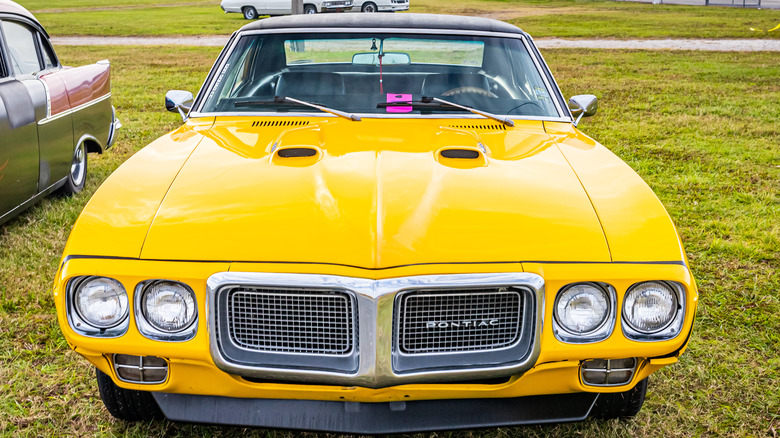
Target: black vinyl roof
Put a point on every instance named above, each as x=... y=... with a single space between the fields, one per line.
x=360 y=21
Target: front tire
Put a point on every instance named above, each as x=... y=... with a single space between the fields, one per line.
x=250 y=13
x=77 y=176
x=309 y=9
x=127 y=404
x=369 y=7
x=621 y=404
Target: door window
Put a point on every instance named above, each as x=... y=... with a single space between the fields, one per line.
x=3 y=74
x=20 y=40
x=49 y=58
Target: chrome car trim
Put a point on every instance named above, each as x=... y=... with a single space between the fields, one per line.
x=542 y=70
x=196 y=114
x=141 y=369
x=375 y=301
x=147 y=330
x=48 y=99
x=607 y=371
x=561 y=98
x=74 y=109
x=601 y=333
x=672 y=330
x=83 y=328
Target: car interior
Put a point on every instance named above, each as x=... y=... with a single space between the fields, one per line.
x=505 y=81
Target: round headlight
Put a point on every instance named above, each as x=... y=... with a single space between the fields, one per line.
x=169 y=306
x=101 y=302
x=650 y=307
x=582 y=308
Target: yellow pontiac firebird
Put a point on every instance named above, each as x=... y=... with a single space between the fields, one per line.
x=376 y=224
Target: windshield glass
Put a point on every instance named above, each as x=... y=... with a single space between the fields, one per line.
x=378 y=73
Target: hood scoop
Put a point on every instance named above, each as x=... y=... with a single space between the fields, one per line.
x=460 y=153
x=460 y=149
x=297 y=152
x=297 y=147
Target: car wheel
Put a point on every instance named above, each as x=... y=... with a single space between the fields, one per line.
x=368 y=7
x=309 y=9
x=127 y=404
x=621 y=404
x=250 y=13
x=77 y=176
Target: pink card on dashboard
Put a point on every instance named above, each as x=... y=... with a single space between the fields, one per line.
x=399 y=98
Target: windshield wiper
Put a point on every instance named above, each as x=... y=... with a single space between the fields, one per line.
x=434 y=102
x=289 y=100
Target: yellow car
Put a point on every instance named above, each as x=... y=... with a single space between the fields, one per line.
x=376 y=224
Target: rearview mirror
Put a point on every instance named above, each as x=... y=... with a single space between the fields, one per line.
x=388 y=58
x=179 y=100
x=583 y=105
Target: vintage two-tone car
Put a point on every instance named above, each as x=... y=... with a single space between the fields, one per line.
x=372 y=224
x=50 y=116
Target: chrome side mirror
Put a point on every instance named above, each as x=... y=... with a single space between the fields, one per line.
x=178 y=100
x=583 y=105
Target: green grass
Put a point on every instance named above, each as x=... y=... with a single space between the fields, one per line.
x=701 y=128
x=555 y=18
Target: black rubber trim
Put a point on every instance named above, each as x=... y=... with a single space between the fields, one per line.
x=463 y=154
x=79 y=256
x=376 y=418
x=297 y=152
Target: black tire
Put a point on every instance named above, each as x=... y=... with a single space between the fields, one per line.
x=77 y=175
x=309 y=9
x=127 y=404
x=250 y=13
x=369 y=7
x=621 y=404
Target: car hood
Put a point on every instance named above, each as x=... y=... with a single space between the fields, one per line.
x=374 y=197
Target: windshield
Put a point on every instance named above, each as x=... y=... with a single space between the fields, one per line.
x=377 y=73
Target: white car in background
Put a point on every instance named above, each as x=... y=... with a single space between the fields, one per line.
x=381 y=5
x=251 y=9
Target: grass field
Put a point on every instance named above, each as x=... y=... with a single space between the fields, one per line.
x=554 y=18
x=701 y=128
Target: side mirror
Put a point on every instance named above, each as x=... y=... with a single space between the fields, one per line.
x=583 y=105
x=178 y=100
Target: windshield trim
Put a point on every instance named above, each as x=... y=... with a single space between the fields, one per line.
x=526 y=40
x=196 y=114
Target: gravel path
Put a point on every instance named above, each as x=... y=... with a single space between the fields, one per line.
x=746 y=45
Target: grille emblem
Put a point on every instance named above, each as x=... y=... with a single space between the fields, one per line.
x=464 y=324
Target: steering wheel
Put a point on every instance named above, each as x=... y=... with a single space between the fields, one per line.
x=467 y=90
x=541 y=110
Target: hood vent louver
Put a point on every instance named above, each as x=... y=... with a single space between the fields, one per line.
x=467 y=154
x=280 y=123
x=480 y=126
x=297 y=152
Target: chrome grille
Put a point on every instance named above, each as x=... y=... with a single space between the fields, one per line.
x=459 y=320
x=291 y=321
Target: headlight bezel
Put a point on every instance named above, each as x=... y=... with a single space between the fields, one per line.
x=81 y=324
x=150 y=331
x=671 y=330
x=600 y=333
